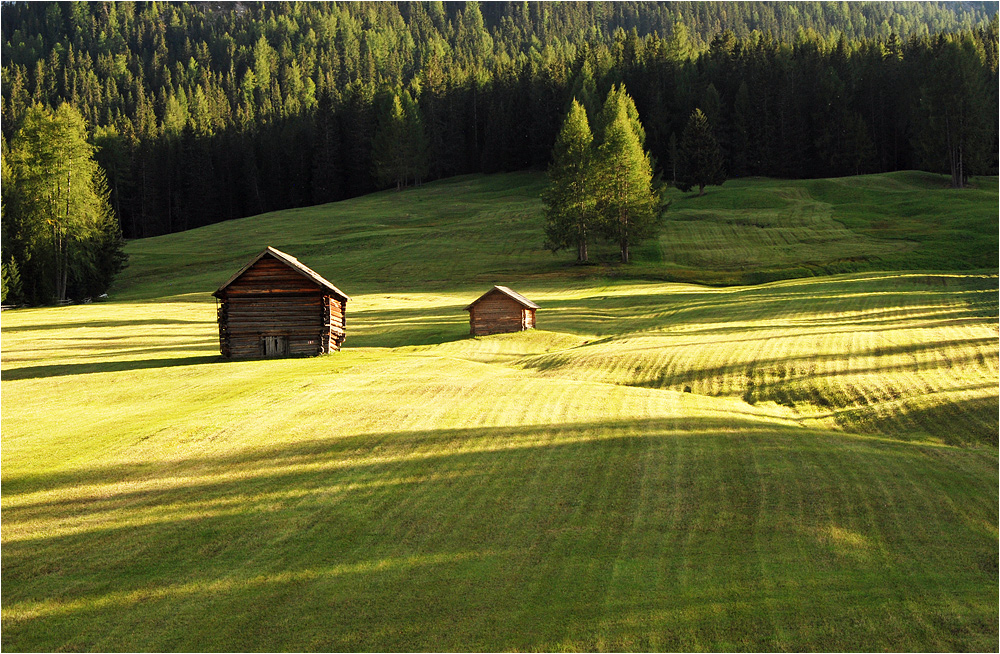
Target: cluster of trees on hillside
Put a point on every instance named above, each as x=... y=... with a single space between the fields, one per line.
x=605 y=186
x=60 y=236
x=601 y=187
x=202 y=112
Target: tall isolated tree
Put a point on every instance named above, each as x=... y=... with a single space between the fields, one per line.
x=700 y=158
x=570 y=205
x=58 y=212
x=626 y=202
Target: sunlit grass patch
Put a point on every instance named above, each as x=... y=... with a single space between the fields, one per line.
x=471 y=232
x=808 y=464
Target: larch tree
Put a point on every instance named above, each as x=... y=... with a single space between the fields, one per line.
x=700 y=158
x=569 y=199
x=626 y=202
x=58 y=211
x=617 y=100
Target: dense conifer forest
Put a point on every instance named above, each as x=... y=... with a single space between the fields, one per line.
x=203 y=112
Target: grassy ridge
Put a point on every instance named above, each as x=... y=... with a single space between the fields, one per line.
x=468 y=231
x=752 y=231
x=828 y=483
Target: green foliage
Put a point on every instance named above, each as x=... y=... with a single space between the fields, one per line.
x=955 y=103
x=64 y=234
x=415 y=143
x=627 y=205
x=700 y=158
x=618 y=100
x=389 y=145
x=570 y=198
x=234 y=91
x=10 y=280
x=608 y=187
x=399 y=146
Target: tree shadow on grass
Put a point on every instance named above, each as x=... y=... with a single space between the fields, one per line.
x=104 y=324
x=498 y=538
x=61 y=369
x=406 y=327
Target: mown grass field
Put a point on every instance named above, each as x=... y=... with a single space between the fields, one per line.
x=829 y=482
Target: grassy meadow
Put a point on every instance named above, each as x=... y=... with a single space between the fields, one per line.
x=805 y=464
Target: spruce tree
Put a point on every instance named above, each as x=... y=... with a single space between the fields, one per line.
x=326 y=172
x=389 y=155
x=626 y=202
x=415 y=140
x=569 y=198
x=700 y=157
x=956 y=125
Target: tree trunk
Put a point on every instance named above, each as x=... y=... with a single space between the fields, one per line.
x=57 y=254
x=142 y=201
x=953 y=156
x=65 y=272
x=961 y=164
x=624 y=247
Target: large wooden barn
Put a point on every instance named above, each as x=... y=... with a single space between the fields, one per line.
x=499 y=311
x=275 y=307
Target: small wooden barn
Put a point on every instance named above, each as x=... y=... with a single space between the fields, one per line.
x=275 y=307
x=499 y=311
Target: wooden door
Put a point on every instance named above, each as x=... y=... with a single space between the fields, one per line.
x=274 y=346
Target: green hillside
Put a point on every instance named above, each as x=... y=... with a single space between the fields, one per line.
x=807 y=464
x=468 y=231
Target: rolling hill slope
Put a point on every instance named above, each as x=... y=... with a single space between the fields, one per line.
x=805 y=464
x=469 y=231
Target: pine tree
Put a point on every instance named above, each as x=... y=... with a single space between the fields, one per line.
x=569 y=198
x=626 y=202
x=700 y=158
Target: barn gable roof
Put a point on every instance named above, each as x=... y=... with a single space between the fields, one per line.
x=292 y=263
x=514 y=295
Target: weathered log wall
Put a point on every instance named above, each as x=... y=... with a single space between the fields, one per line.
x=499 y=314
x=270 y=299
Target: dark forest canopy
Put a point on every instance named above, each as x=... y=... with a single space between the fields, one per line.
x=209 y=111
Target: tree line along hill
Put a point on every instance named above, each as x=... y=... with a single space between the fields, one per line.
x=202 y=112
